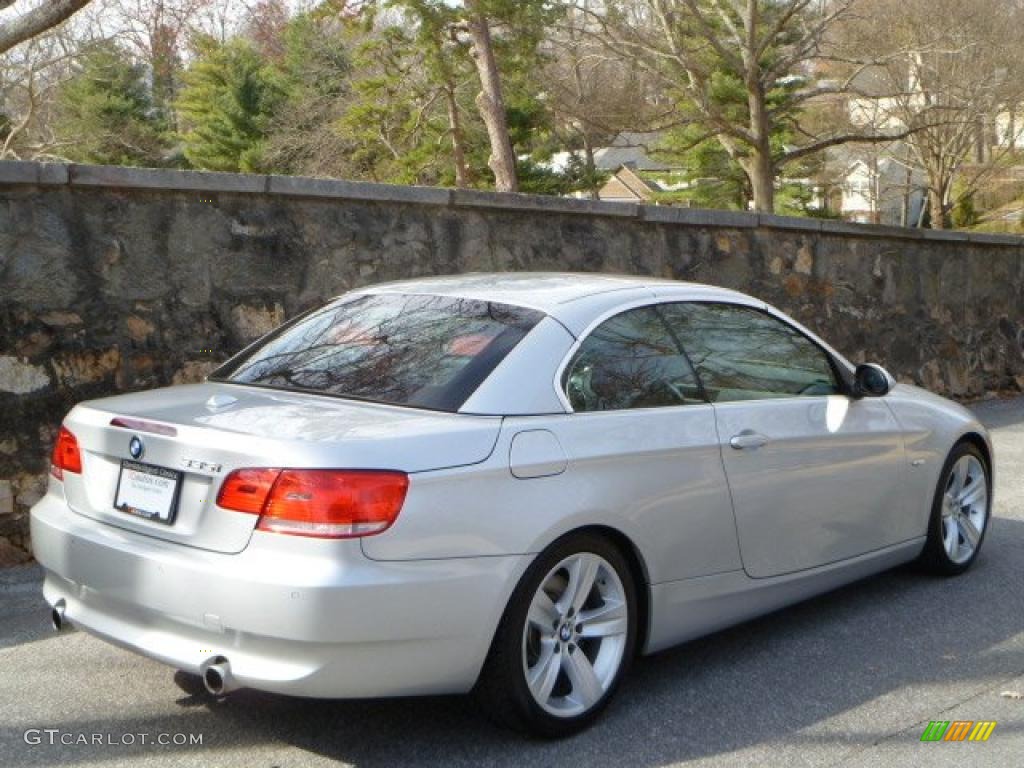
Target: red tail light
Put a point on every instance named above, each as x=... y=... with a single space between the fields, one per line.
x=324 y=503
x=66 y=456
x=246 y=490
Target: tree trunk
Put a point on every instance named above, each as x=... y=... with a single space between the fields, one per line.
x=980 y=139
x=463 y=177
x=937 y=205
x=491 y=103
x=760 y=168
x=758 y=164
x=590 y=167
x=762 y=181
x=164 y=63
x=907 y=187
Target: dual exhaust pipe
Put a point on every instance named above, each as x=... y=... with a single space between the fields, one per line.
x=216 y=671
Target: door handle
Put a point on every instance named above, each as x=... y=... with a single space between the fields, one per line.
x=748 y=439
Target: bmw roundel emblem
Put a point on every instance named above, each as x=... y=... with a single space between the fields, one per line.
x=135 y=447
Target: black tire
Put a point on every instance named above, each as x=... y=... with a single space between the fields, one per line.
x=502 y=689
x=934 y=558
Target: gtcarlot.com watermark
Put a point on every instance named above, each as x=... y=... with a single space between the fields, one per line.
x=55 y=736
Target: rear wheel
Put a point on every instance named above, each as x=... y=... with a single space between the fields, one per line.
x=960 y=512
x=565 y=641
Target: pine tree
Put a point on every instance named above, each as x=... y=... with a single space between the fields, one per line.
x=419 y=112
x=397 y=119
x=229 y=97
x=316 y=74
x=106 y=112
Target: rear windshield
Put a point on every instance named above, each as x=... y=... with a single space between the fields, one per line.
x=423 y=351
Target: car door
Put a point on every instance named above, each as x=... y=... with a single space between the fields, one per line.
x=814 y=474
x=643 y=449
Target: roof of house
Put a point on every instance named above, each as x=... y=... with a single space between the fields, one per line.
x=628 y=148
x=632 y=149
x=627 y=184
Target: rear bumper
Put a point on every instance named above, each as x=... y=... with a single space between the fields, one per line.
x=292 y=615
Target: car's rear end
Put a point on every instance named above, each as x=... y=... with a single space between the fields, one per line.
x=217 y=527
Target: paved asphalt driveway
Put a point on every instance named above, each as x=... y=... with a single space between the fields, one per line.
x=847 y=679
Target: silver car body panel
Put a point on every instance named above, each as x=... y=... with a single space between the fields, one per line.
x=508 y=392
x=841 y=489
x=669 y=485
x=930 y=425
x=683 y=610
x=257 y=427
x=825 y=484
x=298 y=616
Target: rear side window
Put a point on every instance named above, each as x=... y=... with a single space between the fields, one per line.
x=630 y=361
x=423 y=351
x=741 y=353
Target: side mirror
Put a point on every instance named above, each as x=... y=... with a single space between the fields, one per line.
x=870 y=380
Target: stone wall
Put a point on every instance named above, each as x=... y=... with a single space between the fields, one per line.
x=116 y=279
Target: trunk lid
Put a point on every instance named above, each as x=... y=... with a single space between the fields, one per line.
x=204 y=431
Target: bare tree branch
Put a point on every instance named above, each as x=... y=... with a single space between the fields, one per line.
x=814 y=147
x=36 y=21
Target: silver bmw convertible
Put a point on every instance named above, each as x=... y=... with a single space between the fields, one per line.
x=509 y=484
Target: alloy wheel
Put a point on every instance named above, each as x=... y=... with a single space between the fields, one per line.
x=575 y=635
x=964 y=508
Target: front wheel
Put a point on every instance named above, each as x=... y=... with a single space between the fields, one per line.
x=565 y=641
x=960 y=512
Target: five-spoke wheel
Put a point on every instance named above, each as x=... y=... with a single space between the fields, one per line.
x=575 y=635
x=964 y=508
x=566 y=638
x=960 y=513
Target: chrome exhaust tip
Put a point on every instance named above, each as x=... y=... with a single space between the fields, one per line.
x=217 y=676
x=57 y=619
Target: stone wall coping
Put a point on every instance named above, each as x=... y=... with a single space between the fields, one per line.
x=162 y=179
x=478 y=198
x=75 y=175
x=300 y=186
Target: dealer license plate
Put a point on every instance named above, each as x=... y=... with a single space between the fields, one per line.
x=147 y=491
